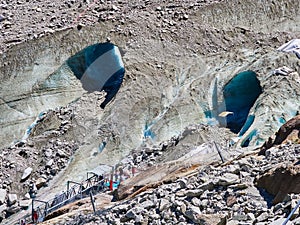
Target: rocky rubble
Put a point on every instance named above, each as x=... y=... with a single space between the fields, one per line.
x=42 y=18
x=35 y=160
x=224 y=194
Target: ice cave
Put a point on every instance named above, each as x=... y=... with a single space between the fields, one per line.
x=99 y=67
x=240 y=93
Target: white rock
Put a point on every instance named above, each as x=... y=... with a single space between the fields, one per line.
x=280 y=222
x=24 y=203
x=3 y=208
x=228 y=179
x=147 y=204
x=12 y=199
x=3 y=194
x=26 y=173
x=163 y=204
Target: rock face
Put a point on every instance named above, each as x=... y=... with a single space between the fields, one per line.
x=43 y=72
x=290 y=131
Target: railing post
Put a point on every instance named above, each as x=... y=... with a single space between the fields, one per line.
x=46 y=208
x=92 y=200
x=32 y=210
x=68 y=186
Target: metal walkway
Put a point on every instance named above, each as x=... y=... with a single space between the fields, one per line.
x=75 y=191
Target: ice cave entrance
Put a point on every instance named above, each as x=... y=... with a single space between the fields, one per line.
x=99 y=67
x=240 y=93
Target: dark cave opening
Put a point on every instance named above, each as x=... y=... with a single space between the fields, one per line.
x=240 y=93
x=99 y=67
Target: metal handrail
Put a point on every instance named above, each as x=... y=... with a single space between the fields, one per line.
x=291 y=214
x=76 y=191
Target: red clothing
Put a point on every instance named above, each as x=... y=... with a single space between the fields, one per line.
x=35 y=216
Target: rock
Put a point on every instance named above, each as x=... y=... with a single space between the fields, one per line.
x=3 y=208
x=3 y=194
x=163 y=204
x=27 y=196
x=262 y=217
x=24 y=203
x=185 y=16
x=205 y=219
x=231 y=200
x=50 y=163
x=147 y=204
x=115 y=8
x=2 y=18
x=61 y=153
x=251 y=216
x=207 y=186
x=193 y=193
x=48 y=153
x=196 y=202
x=183 y=208
x=12 y=199
x=293 y=205
x=233 y=222
x=121 y=208
x=158 y=8
x=40 y=182
x=281 y=181
x=182 y=183
x=228 y=179
x=13 y=209
x=138 y=219
x=155 y=216
x=193 y=213
x=134 y=212
x=26 y=173
x=280 y=221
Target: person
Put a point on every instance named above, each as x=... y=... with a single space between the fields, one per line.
x=35 y=216
x=22 y=222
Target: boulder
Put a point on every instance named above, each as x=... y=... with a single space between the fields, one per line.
x=281 y=181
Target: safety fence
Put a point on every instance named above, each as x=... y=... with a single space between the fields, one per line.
x=75 y=191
